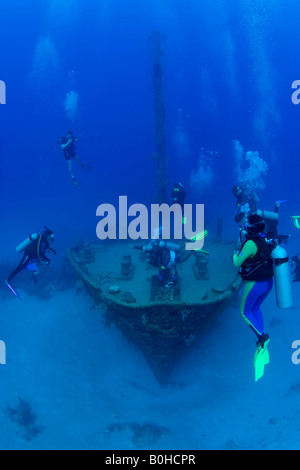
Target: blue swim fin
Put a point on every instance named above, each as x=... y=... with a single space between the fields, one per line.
x=12 y=290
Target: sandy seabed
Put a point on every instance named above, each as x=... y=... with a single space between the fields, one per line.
x=72 y=383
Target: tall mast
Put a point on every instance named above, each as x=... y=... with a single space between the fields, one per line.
x=161 y=153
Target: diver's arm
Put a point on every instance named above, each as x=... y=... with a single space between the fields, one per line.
x=44 y=258
x=63 y=146
x=44 y=248
x=83 y=165
x=249 y=249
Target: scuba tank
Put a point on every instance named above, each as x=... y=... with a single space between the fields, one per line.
x=268 y=216
x=282 y=277
x=27 y=242
x=169 y=246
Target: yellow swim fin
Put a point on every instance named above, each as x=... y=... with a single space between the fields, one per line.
x=295 y=219
x=261 y=359
x=199 y=236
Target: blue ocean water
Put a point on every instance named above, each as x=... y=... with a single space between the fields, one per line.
x=228 y=68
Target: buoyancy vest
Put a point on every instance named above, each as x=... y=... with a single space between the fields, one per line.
x=260 y=266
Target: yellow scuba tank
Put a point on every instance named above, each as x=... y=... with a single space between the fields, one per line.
x=282 y=278
x=27 y=242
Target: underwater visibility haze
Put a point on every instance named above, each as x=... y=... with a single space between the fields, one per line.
x=78 y=113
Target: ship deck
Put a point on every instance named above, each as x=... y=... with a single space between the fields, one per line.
x=100 y=266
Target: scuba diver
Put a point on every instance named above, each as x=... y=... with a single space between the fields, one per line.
x=178 y=194
x=255 y=265
x=296 y=258
x=178 y=197
x=246 y=206
x=34 y=249
x=295 y=265
x=260 y=259
x=167 y=275
x=67 y=143
x=246 y=200
x=162 y=254
x=271 y=219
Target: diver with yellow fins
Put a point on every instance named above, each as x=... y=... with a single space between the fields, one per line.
x=34 y=250
x=260 y=259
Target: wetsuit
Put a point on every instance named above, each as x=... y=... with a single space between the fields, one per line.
x=256 y=268
x=167 y=267
x=178 y=195
x=33 y=254
x=69 y=150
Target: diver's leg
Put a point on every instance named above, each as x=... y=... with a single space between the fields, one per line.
x=82 y=165
x=18 y=269
x=78 y=160
x=265 y=288
x=252 y=292
x=14 y=273
x=70 y=167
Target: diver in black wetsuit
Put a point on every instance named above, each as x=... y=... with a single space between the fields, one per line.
x=246 y=200
x=167 y=275
x=162 y=254
x=34 y=253
x=67 y=143
x=178 y=194
x=295 y=265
